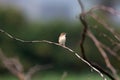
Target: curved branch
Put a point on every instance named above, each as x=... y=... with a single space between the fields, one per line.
x=50 y=42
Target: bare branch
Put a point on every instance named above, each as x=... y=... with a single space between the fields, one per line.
x=85 y=24
x=13 y=65
x=9 y=63
x=102 y=70
x=50 y=42
x=111 y=51
x=103 y=53
x=108 y=27
x=16 y=68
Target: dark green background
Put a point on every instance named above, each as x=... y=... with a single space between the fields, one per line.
x=30 y=54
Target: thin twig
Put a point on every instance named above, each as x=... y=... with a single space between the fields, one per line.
x=50 y=42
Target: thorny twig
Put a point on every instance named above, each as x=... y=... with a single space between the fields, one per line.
x=50 y=42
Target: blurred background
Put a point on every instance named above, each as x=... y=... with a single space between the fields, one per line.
x=45 y=20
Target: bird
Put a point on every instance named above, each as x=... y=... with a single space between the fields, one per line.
x=62 y=39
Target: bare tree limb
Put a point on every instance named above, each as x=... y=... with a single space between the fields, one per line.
x=111 y=51
x=16 y=68
x=13 y=65
x=108 y=27
x=98 y=45
x=103 y=53
x=85 y=24
x=50 y=42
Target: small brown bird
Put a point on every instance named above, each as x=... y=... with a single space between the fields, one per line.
x=62 y=39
